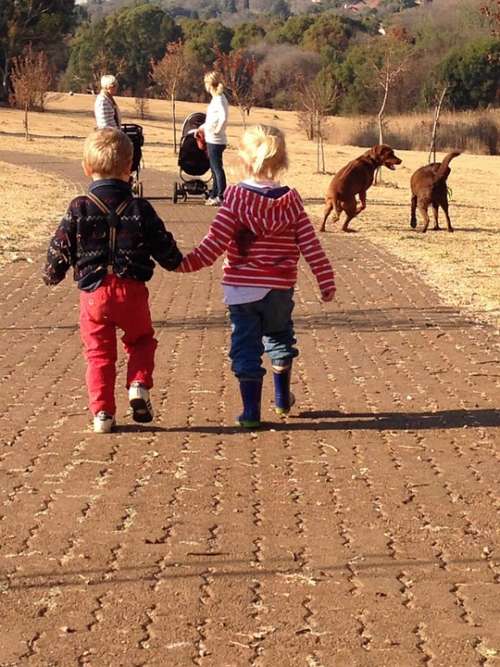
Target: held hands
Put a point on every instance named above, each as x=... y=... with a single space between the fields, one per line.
x=328 y=295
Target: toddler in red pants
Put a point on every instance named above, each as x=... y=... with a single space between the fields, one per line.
x=111 y=240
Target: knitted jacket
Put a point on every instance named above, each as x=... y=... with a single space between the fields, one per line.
x=106 y=111
x=82 y=240
x=280 y=231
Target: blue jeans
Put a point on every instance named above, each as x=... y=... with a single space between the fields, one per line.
x=218 y=176
x=262 y=326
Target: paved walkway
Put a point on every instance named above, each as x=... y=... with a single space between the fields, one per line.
x=361 y=531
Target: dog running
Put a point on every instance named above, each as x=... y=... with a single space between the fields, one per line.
x=355 y=179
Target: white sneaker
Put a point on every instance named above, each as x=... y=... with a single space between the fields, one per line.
x=138 y=397
x=103 y=422
x=212 y=201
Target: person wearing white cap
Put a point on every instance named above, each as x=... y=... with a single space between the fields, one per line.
x=107 y=113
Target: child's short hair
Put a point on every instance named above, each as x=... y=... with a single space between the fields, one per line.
x=214 y=83
x=263 y=151
x=108 y=152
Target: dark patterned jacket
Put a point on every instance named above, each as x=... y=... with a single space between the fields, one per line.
x=82 y=239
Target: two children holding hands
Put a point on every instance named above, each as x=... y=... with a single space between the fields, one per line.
x=111 y=239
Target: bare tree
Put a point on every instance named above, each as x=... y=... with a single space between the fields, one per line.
x=168 y=74
x=30 y=78
x=141 y=102
x=316 y=101
x=435 y=124
x=237 y=69
x=395 y=61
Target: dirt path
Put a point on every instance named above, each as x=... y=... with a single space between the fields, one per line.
x=362 y=531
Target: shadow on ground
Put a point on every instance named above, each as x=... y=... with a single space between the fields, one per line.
x=333 y=420
x=367 y=320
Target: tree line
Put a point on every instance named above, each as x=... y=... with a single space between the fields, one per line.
x=337 y=57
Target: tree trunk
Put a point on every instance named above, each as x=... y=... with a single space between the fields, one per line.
x=378 y=173
x=243 y=116
x=174 y=123
x=25 y=122
x=437 y=112
x=4 y=92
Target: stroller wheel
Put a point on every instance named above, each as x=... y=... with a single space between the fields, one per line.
x=138 y=189
x=175 y=193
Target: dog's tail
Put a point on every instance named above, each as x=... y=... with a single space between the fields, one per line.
x=443 y=167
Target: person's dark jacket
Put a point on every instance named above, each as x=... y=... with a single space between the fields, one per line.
x=82 y=239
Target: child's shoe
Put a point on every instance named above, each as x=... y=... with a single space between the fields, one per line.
x=251 y=393
x=283 y=397
x=138 y=396
x=212 y=201
x=103 y=422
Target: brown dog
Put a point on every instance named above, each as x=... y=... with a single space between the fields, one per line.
x=428 y=188
x=355 y=179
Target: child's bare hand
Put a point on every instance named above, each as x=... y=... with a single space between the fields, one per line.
x=328 y=296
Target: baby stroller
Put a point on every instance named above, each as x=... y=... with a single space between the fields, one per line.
x=193 y=162
x=134 y=133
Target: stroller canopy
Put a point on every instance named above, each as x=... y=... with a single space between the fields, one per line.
x=192 y=122
x=193 y=161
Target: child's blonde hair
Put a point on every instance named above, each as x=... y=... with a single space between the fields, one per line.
x=263 y=151
x=214 y=83
x=108 y=152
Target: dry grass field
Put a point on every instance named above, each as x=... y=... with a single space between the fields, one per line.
x=462 y=266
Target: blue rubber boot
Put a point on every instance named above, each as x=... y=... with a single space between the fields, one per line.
x=251 y=394
x=283 y=397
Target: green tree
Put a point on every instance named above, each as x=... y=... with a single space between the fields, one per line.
x=356 y=77
x=329 y=36
x=41 y=23
x=206 y=40
x=472 y=74
x=246 y=34
x=124 y=43
x=293 y=30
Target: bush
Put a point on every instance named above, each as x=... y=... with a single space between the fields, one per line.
x=473 y=133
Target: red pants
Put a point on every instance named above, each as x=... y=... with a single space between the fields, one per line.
x=123 y=303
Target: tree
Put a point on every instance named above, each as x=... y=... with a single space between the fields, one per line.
x=329 y=36
x=279 y=8
x=168 y=74
x=472 y=74
x=203 y=39
x=237 y=69
x=435 y=124
x=246 y=34
x=394 y=61
x=30 y=77
x=316 y=100
x=279 y=67
x=492 y=13
x=123 y=43
x=294 y=28
x=41 y=23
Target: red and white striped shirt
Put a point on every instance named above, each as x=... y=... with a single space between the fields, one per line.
x=282 y=232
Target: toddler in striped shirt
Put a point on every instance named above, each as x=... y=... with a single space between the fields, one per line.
x=263 y=229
